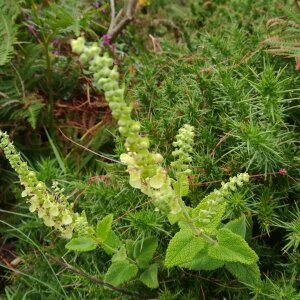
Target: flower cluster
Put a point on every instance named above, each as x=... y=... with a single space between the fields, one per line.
x=183 y=148
x=144 y=167
x=217 y=197
x=54 y=209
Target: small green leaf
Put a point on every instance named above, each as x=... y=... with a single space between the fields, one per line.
x=232 y=248
x=120 y=255
x=149 y=277
x=182 y=248
x=203 y=262
x=112 y=243
x=120 y=272
x=238 y=226
x=104 y=227
x=248 y=274
x=181 y=186
x=82 y=244
x=144 y=251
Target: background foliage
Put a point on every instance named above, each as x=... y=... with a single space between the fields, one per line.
x=229 y=68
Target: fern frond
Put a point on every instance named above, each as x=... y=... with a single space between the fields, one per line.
x=32 y=109
x=288 y=42
x=11 y=8
x=8 y=31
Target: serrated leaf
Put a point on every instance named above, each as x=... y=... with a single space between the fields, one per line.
x=215 y=220
x=232 y=248
x=8 y=34
x=181 y=186
x=144 y=251
x=238 y=226
x=120 y=272
x=183 y=247
x=203 y=262
x=149 y=277
x=82 y=244
x=104 y=227
x=248 y=274
x=112 y=243
x=11 y=8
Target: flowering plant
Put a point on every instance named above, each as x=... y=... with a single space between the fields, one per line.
x=203 y=242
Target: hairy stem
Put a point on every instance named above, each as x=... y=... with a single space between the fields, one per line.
x=50 y=86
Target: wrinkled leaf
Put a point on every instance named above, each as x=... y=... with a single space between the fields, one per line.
x=248 y=274
x=203 y=262
x=120 y=272
x=182 y=248
x=144 y=251
x=112 y=242
x=232 y=248
x=149 y=277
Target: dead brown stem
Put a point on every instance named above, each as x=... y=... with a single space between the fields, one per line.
x=115 y=28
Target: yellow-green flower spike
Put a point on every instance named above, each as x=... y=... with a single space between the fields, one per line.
x=145 y=170
x=54 y=209
x=144 y=167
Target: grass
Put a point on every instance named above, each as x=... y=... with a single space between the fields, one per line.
x=214 y=73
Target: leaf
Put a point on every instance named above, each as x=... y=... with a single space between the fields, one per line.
x=238 y=226
x=181 y=186
x=57 y=153
x=232 y=248
x=30 y=110
x=248 y=274
x=144 y=251
x=215 y=220
x=120 y=272
x=149 y=277
x=182 y=248
x=11 y=8
x=112 y=243
x=120 y=255
x=82 y=244
x=8 y=32
x=104 y=227
x=33 y=112
x=203 y=262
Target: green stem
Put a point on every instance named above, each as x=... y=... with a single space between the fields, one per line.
x=45 y=42
x=186 y=215
x=50 y=86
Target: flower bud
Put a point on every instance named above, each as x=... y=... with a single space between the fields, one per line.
x=78 y=45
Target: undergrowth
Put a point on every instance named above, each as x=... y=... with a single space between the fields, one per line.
x=227 y=68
